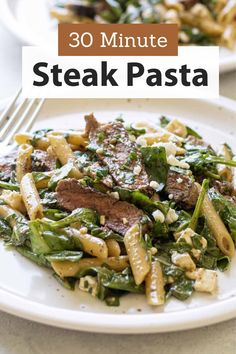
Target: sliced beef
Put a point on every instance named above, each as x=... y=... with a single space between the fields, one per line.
x=119 y=216
x=183 y=189
x=42 y=161
x=224 y=187
x=95 y=171
x=196 y=142
x=7 y=166
x=118 y=153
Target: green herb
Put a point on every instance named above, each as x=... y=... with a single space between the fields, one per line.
x=192 y=132
x=41 y=176
x=9 y=186
x=164 y=121
x=156 y=165
x=197 y=210
x=39 y=134
x=134 y=131
x=196 y=36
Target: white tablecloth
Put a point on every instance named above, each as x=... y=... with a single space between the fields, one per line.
x=18 y=336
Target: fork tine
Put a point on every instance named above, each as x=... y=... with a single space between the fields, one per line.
x=6 y=111
x=28 y=126
x=26 y=118
x=12 y=120
x=19 y=122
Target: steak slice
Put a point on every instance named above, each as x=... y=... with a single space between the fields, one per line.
x=42 y=161
x=119 y=216
x=7 y=166
x=116 y=151
x=182 y=188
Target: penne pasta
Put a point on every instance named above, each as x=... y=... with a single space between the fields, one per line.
x=73 y=137
x=14 y=200
x=113 y=248
x=124 y=213
x=26 y=138
x=225 y=171
x=138 y=255
x=23 y=161
x=217 y=227
x=154 y=283
x=177 y=128
x=228 y=13
x=31 y=197
x=70 y=269
x=94 y=246
x=64 y=153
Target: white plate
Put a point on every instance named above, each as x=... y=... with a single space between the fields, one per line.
x=31 y=292
x=30 y=22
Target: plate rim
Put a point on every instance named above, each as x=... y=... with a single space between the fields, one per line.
x=124 y=323
x=227 y=63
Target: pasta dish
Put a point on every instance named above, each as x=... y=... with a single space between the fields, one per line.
x=201 y=22
x=121 y=208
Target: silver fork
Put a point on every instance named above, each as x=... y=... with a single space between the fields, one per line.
x=15 y=118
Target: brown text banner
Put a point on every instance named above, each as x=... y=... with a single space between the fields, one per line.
x=118 y=39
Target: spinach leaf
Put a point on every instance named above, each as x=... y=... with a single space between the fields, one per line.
x=159 y=230
x=5 y=230
x=182 y=223
x=105 y=234
x=38 y=244
x=226 y=210
x=223 y=263
x=45 y=241
x=72 y=256
x=156 y=165
x=20 y=228
x=58 y=241
x=207 y=261
x=141 y=200
x=136 y=132
x=113 y=280
x=88 y=217
x=39 y=259
x=48 y=199
x=67 y=283
x=54 y=214
x=182 y=289
x=60 y=174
